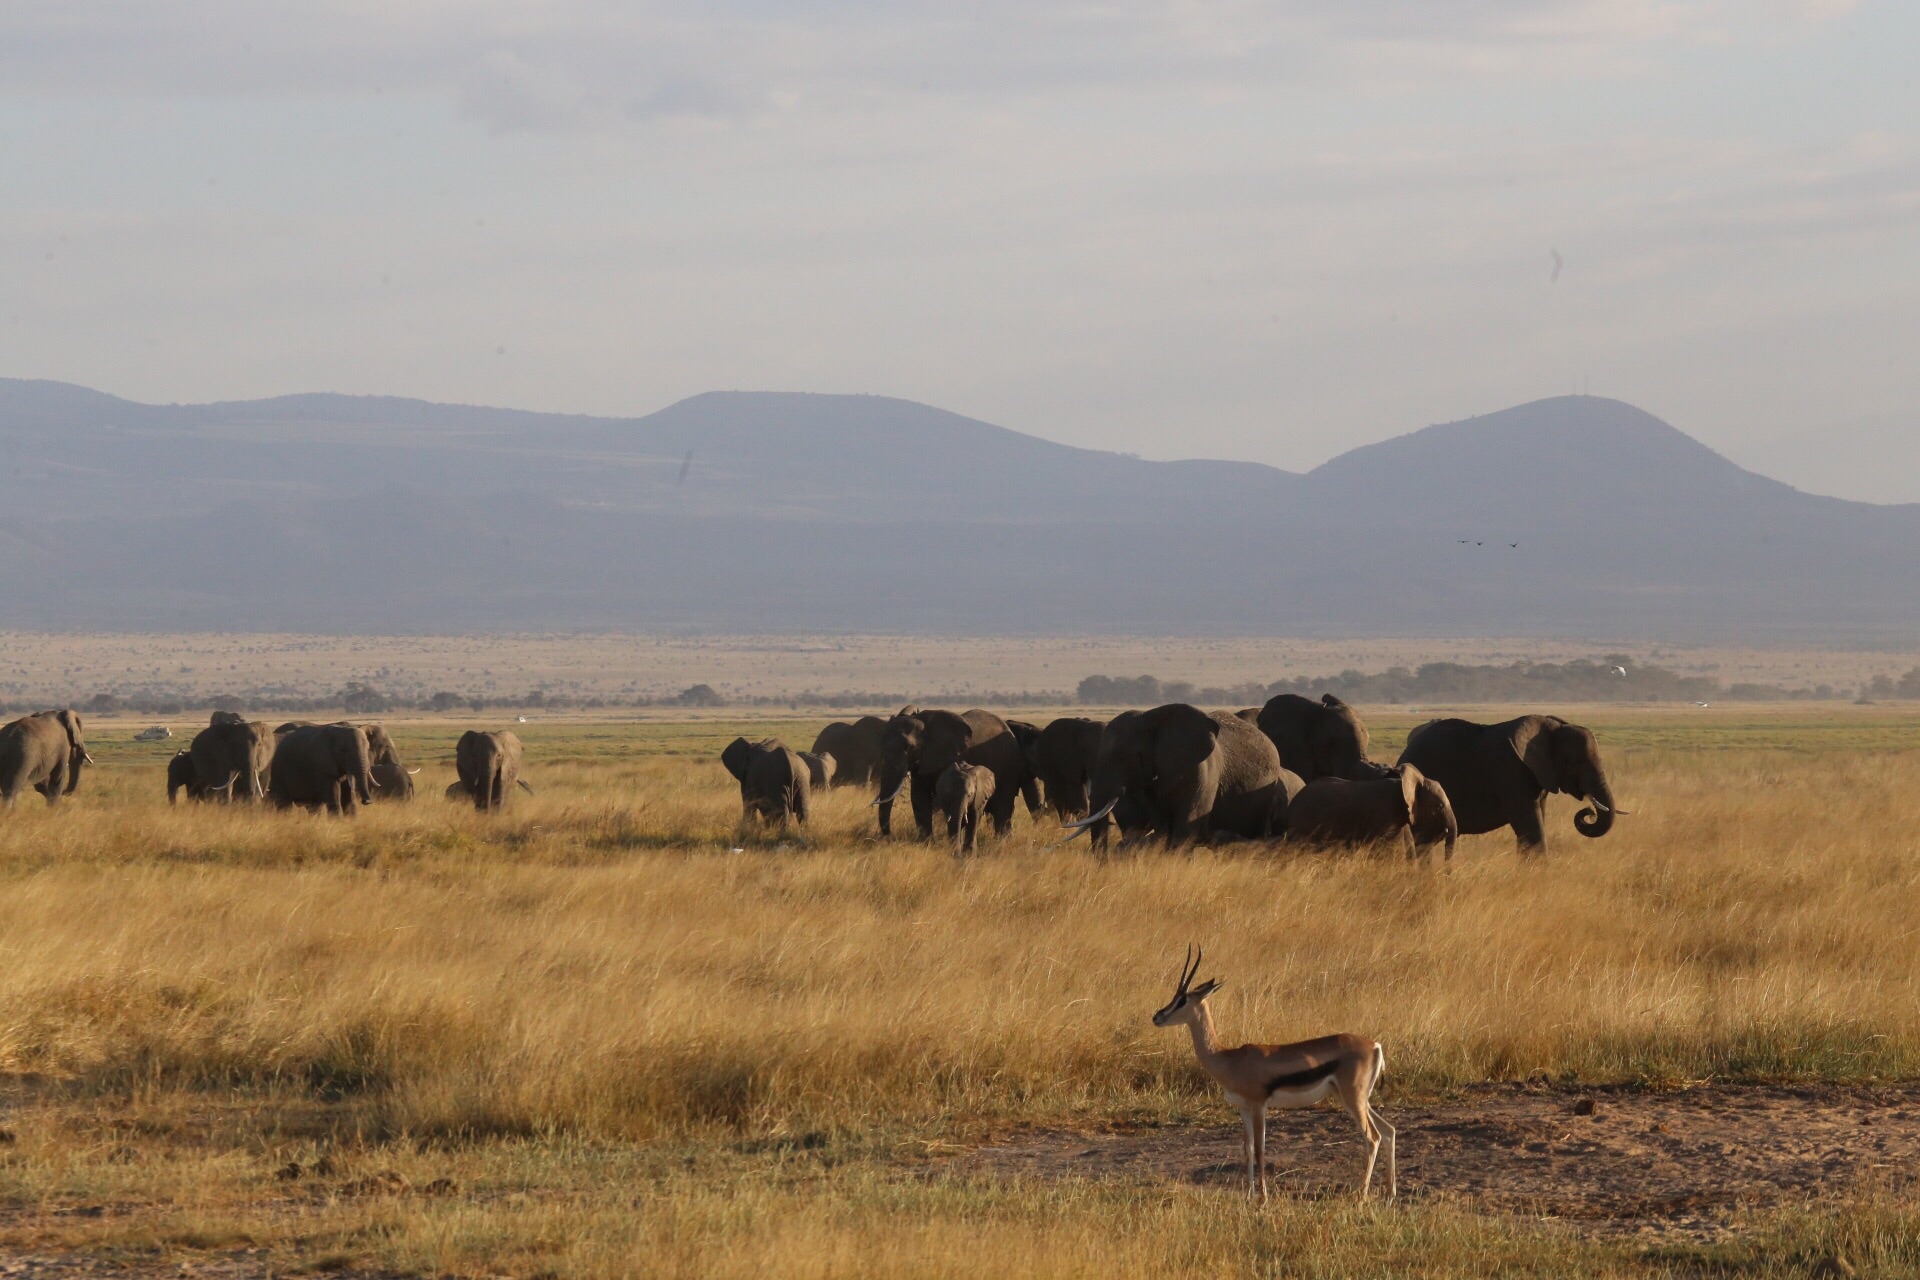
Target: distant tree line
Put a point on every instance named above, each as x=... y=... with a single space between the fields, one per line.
x=1613 y=678
x=1581 y=680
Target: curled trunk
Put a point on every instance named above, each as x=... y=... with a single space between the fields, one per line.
x=1596 y=819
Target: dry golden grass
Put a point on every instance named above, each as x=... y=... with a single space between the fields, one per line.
x=520 y=999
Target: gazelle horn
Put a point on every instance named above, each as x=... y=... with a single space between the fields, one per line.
x=1188 y=967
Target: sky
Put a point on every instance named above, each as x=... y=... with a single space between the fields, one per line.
x=1270 y=231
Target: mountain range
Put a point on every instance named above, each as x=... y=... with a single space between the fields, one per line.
x=1577 y=515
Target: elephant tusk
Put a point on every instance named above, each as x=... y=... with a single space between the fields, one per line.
x=411 y=772
x=1088 y=821
x=524 y=785
x=87 y=756
x=889 y=799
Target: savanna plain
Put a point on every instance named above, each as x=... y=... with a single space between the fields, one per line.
x=608 y=1032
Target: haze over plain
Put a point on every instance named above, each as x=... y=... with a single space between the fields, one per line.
x=1576 y=515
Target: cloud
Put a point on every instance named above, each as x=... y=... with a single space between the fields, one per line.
x=594 y=63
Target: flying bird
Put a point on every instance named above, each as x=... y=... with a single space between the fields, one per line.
x=1558 y=262
x=1621 y=672
x=1513 y=544
x=686 y=465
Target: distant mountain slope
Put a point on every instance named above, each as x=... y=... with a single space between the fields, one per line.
x=771 y=510
x=1870 y=460
x=75 y=453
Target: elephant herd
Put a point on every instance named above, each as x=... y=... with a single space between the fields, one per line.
x=1294 y=769
x=332 y=766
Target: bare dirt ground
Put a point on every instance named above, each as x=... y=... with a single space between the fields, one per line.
x=53 y=667
x=1603 y=1161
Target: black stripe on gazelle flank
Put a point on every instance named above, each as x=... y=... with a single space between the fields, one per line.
x=1302 y=1079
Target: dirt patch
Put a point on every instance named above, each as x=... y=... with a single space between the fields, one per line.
x=1606 y=1161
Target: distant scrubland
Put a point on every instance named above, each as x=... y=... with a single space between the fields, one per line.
x=1611 y=678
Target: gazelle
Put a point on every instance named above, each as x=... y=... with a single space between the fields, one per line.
x=1258 y=1076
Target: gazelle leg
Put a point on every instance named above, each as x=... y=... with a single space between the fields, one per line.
x=1372 y=1135
x=1246 y=1146
x=1260 y=1149
x=1393 y=1176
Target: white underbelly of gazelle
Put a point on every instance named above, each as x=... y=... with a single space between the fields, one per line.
x=1287 y=1099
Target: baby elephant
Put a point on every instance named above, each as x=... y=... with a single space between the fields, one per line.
x=962 y=794
x=821 y=766
x=1405 y=807
x=774 y=782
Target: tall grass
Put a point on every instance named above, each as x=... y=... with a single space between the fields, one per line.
x=599 y=961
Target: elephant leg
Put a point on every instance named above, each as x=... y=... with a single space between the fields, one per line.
x=1530 y=826
x=1000 y=809
x=921 y=792
x=1030 y=792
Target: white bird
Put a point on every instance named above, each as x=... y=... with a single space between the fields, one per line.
x=1621 y=672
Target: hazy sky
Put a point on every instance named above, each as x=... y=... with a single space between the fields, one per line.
x=1256 y=230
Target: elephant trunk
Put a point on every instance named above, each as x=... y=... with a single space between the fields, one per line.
x=1596 y=819
x=1103 y=797
x=894 y=777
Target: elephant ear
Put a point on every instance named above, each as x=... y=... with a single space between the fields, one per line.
x=735 y=757
x=1532 y=741
x=1181 y=736
x=1411 y=781
x=70 y=721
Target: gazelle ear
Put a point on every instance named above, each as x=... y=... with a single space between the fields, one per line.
x=1204 y=990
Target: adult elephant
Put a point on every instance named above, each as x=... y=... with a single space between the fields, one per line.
x=489 y=768
x=922 y=745
x=1061 y=757
x=392 y=779
x=321 y=764
x=1323 y=739
x=1187 y=774
x=231 y=758
x=44 y=751
x=1406 y=808
x=774 y=781
x=1499 y=775
x=855 y=749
